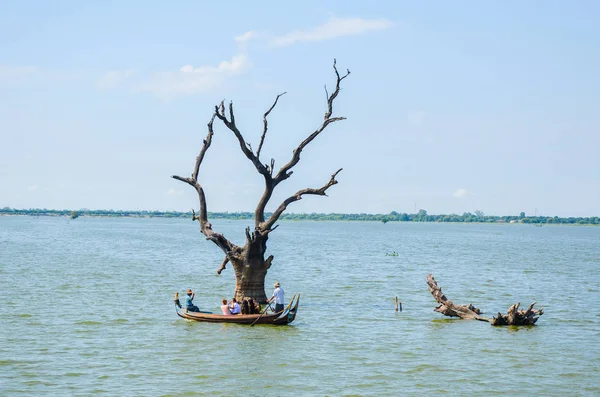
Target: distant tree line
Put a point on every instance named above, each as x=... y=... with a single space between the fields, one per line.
x=421 y=216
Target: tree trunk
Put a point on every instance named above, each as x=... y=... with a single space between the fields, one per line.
x=251 y=267
x=250 y=279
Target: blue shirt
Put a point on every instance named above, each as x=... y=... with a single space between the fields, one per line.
x=188 y=301
x=236 y=308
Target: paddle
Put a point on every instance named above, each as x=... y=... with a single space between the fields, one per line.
x=262 y=314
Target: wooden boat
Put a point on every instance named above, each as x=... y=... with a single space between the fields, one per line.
x=282 y=318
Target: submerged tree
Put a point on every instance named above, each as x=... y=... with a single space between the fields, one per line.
x=514 y=316
x=249 y=262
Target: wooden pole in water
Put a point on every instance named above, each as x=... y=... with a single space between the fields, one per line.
x=398 y=305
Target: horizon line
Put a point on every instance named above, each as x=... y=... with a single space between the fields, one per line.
x=393 y=212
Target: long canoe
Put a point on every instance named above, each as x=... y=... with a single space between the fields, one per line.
x=282 y=318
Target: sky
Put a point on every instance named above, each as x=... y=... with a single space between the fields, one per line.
x=451 y=107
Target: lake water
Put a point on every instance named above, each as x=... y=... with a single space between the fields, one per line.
x=87 y=309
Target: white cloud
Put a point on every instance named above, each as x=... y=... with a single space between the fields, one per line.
x=236 y=65
x=249 y=35
x=114 y=78
x=190 y=79
x=416 y=118
x=333 y=29
x=460 y=193
x=174 y=192
x=32 y=188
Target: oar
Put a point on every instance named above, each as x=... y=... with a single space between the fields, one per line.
x=262 y=314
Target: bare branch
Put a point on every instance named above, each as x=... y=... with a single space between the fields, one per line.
x=247 y=232
x=231 y=115
x=205 y=226
x=230 y=124
x=222 y=267
x=284 y=172
x=206 y=144
x=193 y=181
x=247 y=150
x=268 y=262
x=189 y=181
x=267 y=226
x=335 y=93
x=265 y=124
x=273 y=228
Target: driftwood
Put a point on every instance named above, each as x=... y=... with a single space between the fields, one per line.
x=514 y=316
x=449 y=308
x=518 y=317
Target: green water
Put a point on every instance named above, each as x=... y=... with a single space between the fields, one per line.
x=87 y=310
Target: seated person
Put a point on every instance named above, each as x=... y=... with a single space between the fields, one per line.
x=225 y=307
x=234 y=307
x=245 y=307
x=255 y=306
x=188 y=302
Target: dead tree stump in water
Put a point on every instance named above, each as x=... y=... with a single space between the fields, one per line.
x=449 y=308
x=514 y=316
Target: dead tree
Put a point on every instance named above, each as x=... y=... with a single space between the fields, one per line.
x=515 y=316
x=449 y=308
x=249 y=262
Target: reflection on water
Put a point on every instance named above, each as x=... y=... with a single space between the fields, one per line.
x=87 y=310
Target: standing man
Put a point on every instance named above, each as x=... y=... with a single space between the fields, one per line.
x=278 y=296
x=188 y=302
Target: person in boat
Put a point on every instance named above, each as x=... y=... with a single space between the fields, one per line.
x=189 y=305
x=254 y=306
x=225 y=308
x=278 y=297
x=234 y=307
x=246 y=306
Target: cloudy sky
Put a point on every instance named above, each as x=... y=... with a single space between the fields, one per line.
x=451 y=106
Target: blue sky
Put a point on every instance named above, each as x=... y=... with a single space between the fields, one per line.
x=451 y=106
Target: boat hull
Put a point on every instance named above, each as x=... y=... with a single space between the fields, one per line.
x=281 y=318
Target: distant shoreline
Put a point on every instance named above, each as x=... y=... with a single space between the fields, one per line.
x=394 y=216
